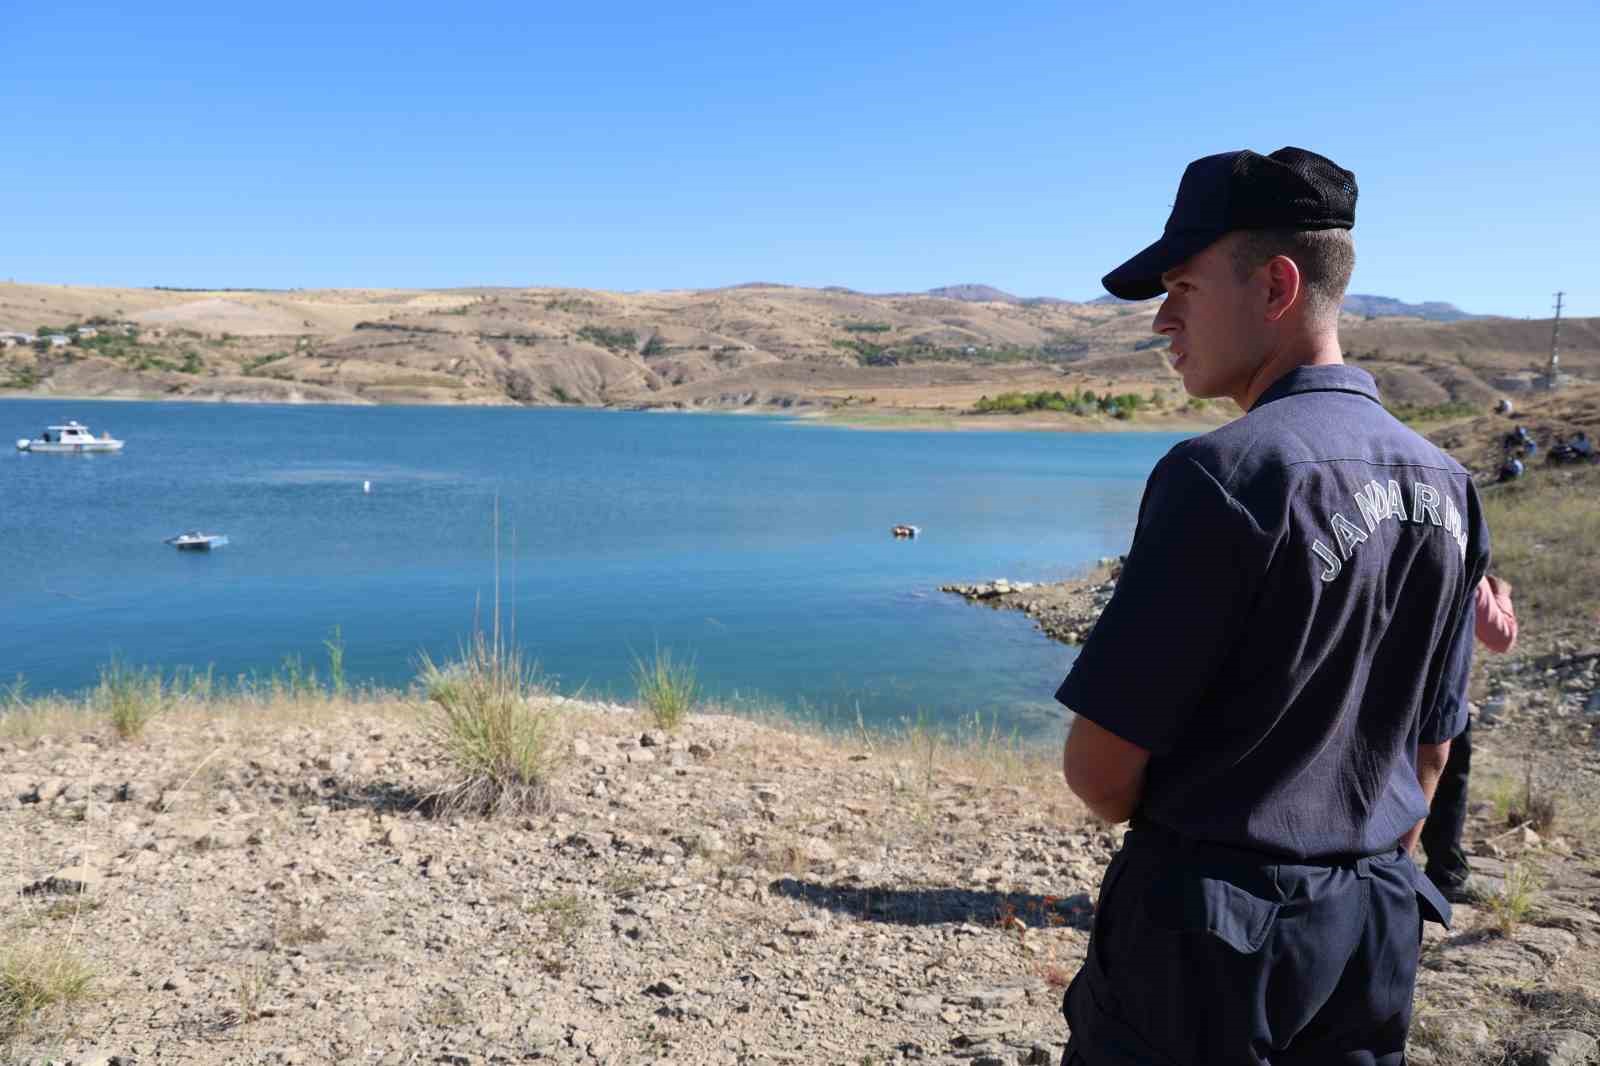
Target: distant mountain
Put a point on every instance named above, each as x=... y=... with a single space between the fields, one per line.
x=1370 y=307
x=1389 y=307
x=988 y=294
x=977 y=294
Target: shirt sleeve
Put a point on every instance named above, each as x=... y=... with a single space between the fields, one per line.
x=1178 y=609
x=1496 y=623
x=1448 y=716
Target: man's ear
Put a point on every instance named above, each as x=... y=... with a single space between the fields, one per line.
x=1283 y=286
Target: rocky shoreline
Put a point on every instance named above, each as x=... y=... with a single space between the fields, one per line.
x=1065 y=610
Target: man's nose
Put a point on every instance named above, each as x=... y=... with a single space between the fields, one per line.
x=1163 y=321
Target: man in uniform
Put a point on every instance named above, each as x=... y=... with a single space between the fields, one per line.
x=1271 y=694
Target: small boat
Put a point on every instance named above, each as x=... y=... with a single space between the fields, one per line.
x=72 y=437
x=904 y=531
x=196 y=541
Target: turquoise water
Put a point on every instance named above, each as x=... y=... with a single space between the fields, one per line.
x=757 y=546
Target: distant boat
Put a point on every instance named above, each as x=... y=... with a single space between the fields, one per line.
x=196 y=541
x=72 y=437
x=904 y=531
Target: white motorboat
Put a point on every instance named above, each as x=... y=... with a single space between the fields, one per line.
x=72 y=437
x=196 y=541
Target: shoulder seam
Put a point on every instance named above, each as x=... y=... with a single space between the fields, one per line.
x=1454 y=472
x=1233 y=502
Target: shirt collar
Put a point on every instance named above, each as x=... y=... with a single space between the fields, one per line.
x=1336 y=378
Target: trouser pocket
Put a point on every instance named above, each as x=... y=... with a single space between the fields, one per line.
x=1186 y=903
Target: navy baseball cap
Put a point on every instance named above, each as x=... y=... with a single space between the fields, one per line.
x=1289 y=189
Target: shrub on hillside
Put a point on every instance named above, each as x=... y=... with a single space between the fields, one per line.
x=1078 y=402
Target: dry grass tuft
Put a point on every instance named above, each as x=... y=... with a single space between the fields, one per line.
x=250 y=990
x=668 y=687
x=1514 y=902
x=485 y=713
x=130 y=697
x=35 y=976
x=296 y=930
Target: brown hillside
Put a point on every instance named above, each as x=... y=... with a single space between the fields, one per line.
x=751 y=346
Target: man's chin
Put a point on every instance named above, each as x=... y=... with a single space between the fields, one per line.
x=1201 y=390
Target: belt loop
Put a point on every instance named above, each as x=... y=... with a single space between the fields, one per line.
x=1363 y=868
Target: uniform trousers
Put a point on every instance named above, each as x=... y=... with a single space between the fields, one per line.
x=1204 y=955
x=1447 y=818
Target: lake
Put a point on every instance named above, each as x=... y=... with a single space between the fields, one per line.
x=757 y=546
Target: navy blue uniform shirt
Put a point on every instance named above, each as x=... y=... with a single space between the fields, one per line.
x=1294 y=617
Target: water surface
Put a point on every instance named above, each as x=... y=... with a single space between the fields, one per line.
x=758 y=546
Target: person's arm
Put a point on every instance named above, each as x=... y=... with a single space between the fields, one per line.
x=1103 y=770
x=1197 y=551
x=1430 y=767
x=1496 y=620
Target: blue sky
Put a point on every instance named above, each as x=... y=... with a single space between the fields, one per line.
x=883 y=147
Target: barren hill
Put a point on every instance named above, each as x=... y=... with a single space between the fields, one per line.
x=751 y=346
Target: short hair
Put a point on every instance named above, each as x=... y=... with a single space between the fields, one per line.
x=1325 y=258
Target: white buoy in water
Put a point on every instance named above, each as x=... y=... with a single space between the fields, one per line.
x=366 y=486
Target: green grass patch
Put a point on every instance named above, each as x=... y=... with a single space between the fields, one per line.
x=22 y=377
x=1418 y=414
x=252 y=365
x=615 y=340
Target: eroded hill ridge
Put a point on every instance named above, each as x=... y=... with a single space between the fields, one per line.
x=752 y=346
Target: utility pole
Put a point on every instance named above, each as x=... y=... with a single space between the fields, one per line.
x=1555 y=343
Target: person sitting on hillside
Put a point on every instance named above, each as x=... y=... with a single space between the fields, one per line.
x=1511 y=469
x=1576 y=450
x=1519 y=444
x=1503 y=407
